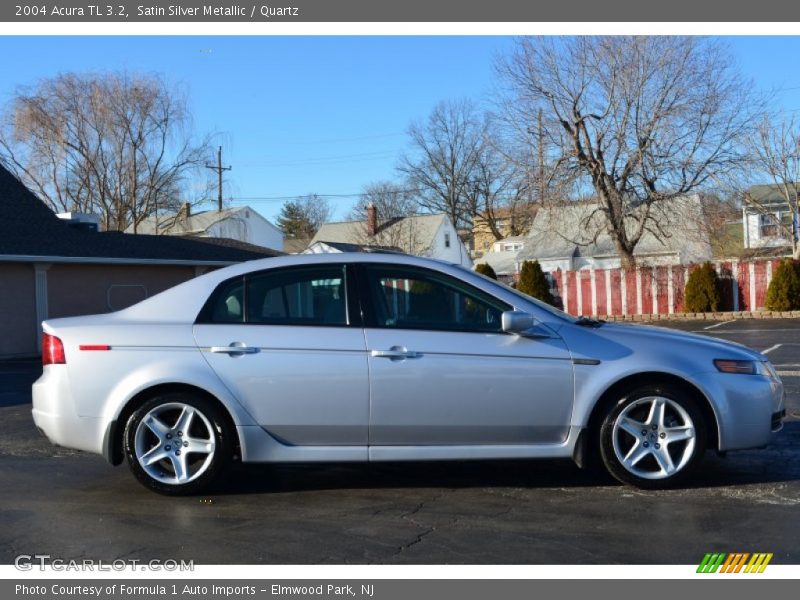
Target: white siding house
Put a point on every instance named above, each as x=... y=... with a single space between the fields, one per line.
x=573 y=237
x=433 y=236
x=243 y=224
x=767 y=220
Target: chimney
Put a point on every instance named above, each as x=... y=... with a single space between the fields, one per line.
x=372 y=220
x=186 y=210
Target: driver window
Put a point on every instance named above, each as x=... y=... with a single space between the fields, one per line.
x=420 y=299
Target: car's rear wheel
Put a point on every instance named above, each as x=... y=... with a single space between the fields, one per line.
x=653 y=436
x=178 y=443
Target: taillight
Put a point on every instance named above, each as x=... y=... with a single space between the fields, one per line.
x=52 y=350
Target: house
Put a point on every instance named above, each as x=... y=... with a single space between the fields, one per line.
x=52 y=267
x=767 y=220
x=502 y=257
x=507 y=222
x=504 y=263
x=239 y=223
x=573 y=237
x=433 y=236
x=295 y=245
x=513 y=243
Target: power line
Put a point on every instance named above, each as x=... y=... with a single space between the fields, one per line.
x=376 y=136
x=363 y=156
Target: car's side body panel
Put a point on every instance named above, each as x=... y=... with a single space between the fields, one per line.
x=304 y=385
x=469 y=388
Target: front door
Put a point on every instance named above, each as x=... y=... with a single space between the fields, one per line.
x=442 y=372
x=285 y=344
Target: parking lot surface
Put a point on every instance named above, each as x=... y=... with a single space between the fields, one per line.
x=74 y=506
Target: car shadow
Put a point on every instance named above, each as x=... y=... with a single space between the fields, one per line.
x=257 y=479
x=16 y=378
x=777 y=463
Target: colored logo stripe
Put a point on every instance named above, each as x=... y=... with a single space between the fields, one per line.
x=711 y=563
x=734 y=562
x=758 y=563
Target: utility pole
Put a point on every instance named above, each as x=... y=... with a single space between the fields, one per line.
x=219 y=169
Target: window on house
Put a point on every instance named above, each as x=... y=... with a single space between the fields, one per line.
x=446 y=240
x=769 y=225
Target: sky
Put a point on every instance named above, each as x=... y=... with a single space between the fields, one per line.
x=320 y=114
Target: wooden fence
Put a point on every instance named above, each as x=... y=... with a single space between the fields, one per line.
x=659 y=289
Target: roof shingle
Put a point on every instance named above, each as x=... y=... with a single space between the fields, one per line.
x=29 y=228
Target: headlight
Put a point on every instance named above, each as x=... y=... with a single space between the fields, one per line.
x=742 y=367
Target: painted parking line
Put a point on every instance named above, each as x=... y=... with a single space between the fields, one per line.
x=771 y=348
x=788 y=373
x=718 y=325
x=738 y=331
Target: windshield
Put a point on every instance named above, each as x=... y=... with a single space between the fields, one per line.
x=543 y=305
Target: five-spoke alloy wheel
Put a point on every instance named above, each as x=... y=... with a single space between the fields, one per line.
x=177 y=443
x=653 y=436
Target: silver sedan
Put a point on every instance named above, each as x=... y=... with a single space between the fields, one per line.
x=379 y=357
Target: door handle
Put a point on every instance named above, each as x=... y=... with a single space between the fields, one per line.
x=235 y=349
x=395 y=353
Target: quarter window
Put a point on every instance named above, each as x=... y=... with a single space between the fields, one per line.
x=418 y=299
x=226 y=305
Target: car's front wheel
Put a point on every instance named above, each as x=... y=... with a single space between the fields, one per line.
x=177 y=443
x=653 y=436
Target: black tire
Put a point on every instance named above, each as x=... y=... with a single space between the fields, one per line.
x=649 y=472
x=212 y=464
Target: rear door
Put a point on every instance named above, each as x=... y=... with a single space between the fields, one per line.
x=288 y=343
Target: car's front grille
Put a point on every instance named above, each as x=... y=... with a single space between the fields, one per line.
x=777 y=419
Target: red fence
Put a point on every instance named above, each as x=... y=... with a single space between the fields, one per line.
x=658 y=290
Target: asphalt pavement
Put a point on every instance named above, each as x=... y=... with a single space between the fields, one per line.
x=73 y=505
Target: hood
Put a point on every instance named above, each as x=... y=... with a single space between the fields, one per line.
x=638 y=334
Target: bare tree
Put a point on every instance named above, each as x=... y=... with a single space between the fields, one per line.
x=445 y=150
x=459 y=167
x=636 y=120
x=776 y=153
x=500 y=191
x=393 y=204
x=392 y=201
x=117 y=144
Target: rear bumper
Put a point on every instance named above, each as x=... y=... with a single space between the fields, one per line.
x=55 y=416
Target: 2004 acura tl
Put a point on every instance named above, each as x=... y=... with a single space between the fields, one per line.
x=377 y=357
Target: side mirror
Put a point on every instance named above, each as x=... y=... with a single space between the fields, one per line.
x=516 y=321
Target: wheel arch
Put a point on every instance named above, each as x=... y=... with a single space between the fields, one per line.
x=615 y=390
x=113 y=439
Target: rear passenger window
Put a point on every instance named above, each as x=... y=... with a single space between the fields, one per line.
x=297 y=297
x=303 y=296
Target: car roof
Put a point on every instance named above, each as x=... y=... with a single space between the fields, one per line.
x=328 y=258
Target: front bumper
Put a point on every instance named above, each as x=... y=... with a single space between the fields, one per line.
x=55 y=416
x=749 y=408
